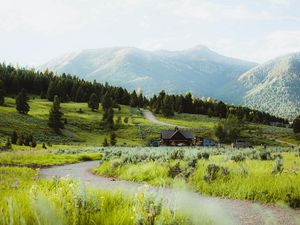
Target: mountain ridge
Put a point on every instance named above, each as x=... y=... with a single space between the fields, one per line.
x=151 y=71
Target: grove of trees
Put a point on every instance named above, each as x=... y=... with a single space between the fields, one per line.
x=168 y=104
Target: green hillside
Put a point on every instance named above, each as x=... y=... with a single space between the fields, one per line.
x=83 y=129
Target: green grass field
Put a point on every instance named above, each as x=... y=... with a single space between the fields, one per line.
x=267 y=175
x=257 y=134
x=81 y=128
x=25 y=199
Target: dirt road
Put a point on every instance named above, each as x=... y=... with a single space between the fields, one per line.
x=222 y=211
x=149 y=116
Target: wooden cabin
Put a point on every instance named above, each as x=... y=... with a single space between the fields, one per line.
x=176 y=137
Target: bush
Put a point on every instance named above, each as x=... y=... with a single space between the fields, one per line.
x=115 y=164
x=192 y=163
x=265 y=155
x=204 y=155
x=278 y=166
x=85 y=158
x=212 y=173
x=177 y=154
x=293 y=200
x=175 y=170
x=238 y=157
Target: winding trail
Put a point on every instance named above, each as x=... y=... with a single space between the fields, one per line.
x=149 y=116
x=222 y=211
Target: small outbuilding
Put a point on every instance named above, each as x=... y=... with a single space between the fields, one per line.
x=176 y=137
x=241 y=144
x=204 y=141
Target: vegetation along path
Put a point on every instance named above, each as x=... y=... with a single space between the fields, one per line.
x=149 y=116
x=222 y=211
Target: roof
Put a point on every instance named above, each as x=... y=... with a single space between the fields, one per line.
x=168 y=134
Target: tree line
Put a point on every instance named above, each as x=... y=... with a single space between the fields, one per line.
x=169 y=104
x=72 y=88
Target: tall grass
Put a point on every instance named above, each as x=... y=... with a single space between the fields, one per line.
x=241 y=174
x=26 y=200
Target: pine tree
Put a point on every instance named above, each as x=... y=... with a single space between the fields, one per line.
x=51 y=91
x=93 y=102
x=56 y=121
x=296 y=125
x=2 y=93
x=14 y=137
x=8 y=143
x=22 y=102
x=108 y=119
x=134 y=99
x=43 y=95
x=113 y=139
x=106 y=101
x=105 y=142
x=167 y=106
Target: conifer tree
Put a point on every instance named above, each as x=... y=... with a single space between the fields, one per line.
x=56 y=122
x=93 y=102
x=105 y=142
x=22 y=102
x=113 y=139
x=167 y=106
x=2 y=93
x=108 y=118
x=134 y=99
x=296 y=125
x=51 y=91
x=14 y=137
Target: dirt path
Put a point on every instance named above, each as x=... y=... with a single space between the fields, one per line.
x=222 y=211
x=149 y=116
x=285 y=142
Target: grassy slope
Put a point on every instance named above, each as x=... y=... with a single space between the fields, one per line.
x=256 y=134
x=82 y=128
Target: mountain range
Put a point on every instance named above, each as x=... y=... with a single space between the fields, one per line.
x=273 y=86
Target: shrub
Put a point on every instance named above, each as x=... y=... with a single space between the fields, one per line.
x=177 y=154
x=293 y=200
x=126 y=120
x=174 y=170
x=115 y=164
x=212 y=173
x=278 y=166
x=265 y=155
x=238 y=157
x=85 y=158
x=225 y=171
x=192 y=163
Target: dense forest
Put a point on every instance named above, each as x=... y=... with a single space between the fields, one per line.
x=71 y=88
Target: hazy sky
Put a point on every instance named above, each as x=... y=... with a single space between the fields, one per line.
x=34 y=31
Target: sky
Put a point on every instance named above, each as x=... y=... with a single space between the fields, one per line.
x=34 y=31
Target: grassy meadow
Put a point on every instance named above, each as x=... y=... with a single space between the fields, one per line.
x=25 y=199
x=81 y=128
x=267 y=175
